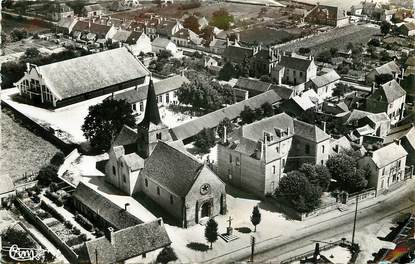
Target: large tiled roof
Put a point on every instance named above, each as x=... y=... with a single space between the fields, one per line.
x=213 y=119
x=86 y=26
x=112 y=213
x=6 y=185
x=237 y=53
x=295 y=63
x=127 y=243
x=388 y=154
x=92 y=72
x=172 y=168
x=161 y=42
x=389 y=92
x=255 y=131
x=388 y=68
x=309 y=131
x=163 y=86
x=325 y=79
x=251 y=84
x=284 y=92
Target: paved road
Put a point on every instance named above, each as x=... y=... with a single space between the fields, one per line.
x=323 y=228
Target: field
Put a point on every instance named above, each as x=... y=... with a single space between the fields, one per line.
x=8 y=24
x=22 y=150
x=336 y=38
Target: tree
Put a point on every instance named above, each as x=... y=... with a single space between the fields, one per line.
x=166 y=255
x=104 y=121
x=304 y=196
x=47 y=174
x=343 y=169
x=31 y=53
x=383 y=78
x=205 y=140
x=164 y=55
x=385 y=28
x=58 y=159
x=324 y=56
x=333 y=51
x=192 y=23
x=17 y=35
x=208 y=35
x=247 y=115
x=211 y=231
x=267 y=109
x=340 y=90
x=221 y=19
x=316 y=174
x=374 y=42
x=226 y=122
x=255 y=217
x=227 y=72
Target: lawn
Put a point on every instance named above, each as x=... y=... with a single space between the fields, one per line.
x=22 y=150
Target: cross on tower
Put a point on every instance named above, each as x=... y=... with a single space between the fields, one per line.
x=230 y=221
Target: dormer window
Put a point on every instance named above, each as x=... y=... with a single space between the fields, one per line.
x=158 y=136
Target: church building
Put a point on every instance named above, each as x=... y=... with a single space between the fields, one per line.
x=146 y=159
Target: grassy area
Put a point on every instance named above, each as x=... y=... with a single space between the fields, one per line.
x=22 y=150
x=8 y=24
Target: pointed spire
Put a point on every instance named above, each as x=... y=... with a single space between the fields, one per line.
x=151 y=113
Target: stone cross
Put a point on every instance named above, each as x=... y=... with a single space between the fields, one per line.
x=230 y=221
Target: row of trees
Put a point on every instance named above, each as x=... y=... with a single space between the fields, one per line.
x=249 y=115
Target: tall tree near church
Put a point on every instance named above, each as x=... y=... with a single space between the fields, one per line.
x=211 y=231
x=255 y=217
x=192 y=23
x=104 y=121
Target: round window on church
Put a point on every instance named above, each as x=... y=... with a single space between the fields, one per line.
x=205 y=189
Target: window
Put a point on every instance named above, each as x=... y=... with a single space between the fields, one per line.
x=167 y=98
x=134 y=106
x=301 y=74
x=322 y=149
x=158 y=136
x=283 y=163
x=277 y=149
x=307 y=149
x=141 y=106
x=113 y=170
x=230 y=158
x=171 y=199
x=237 y=161
x=273 y=169
x=146 y=182
x=384 y=170
x=124 y=179
x=381 y=185
x=121 y=164
x=158 y=190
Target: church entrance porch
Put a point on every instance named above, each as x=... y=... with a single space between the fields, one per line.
x=206 y=210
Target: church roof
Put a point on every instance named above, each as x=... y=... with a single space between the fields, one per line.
x=151 y=113
x=126 y=136
x=172 y=168
x=294 y=62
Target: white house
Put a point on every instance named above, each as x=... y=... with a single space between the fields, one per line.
x=139 y=42
x=160 y=44
x=324 y=84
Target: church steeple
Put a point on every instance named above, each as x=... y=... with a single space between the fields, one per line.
x=151 y=113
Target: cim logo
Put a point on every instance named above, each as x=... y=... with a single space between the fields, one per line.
x=26 y=254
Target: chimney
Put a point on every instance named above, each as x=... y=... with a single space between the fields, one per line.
x=227 y=42
x=288 y=131
x=324 y=126
x=27 y=67
x=109 y=234
x=237 y=37
x=397 y=142
x=126 y=206
x=372 y=90
x=89 y=24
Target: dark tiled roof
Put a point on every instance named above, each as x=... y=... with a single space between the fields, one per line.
x=151 y=113
x=95 y=7
x=284 y=92
x=309 y=131
x=112 y=213
x=92 y=72
x=172 y=168
x=133 y=37
x=389 y=92
x=250 y=84
x=166 y=85
x=388 y=68
x=213 y=119
x=127 y=136
x=237 y=54
x=98 y=29
x=295 y=63
x=127 y=243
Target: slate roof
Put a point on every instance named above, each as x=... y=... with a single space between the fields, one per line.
x=172 y=168
x=163 y=86
x=105 y=208
x=251 y=84
x=255 y=131
x=389 y=92
x=295 y=63
x=237 y=54
x=92 y=72
x=6 y=185
x=388 y=154
x=309 y=131
x=133 y=37
x=213 y=119
x=95 y=7
x=161 y=42
x=400 y=132
x=409 y=26
x=127 y=243
x=284 y=92
x=121 y=35
x=325 y=79
x=388 y=68
x=133 y=161
x=126 y=136
x=355 y=115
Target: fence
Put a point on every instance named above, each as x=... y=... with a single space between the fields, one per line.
x=361 y=196
x=62 y=246
x=24 y=186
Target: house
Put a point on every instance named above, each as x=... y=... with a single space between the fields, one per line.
x=139 y=42
x=86 y=30
x=294 y=69
x=327 y=15
x=389 y=98
x=211 y=64
x=253 y=86
x=121 y=36
x=256 y=155
x=7 y=189
x=130 y=245
x=299 y=104
x=163 y=44
x=60 y=11
x=407 y=29
x=167 y=28
x=386 y=166
x=81 y=78
x=93 y=10
x=185 y=38
x=339 y=145
x=65 y=25
x=371 y=8
x=406 y=135
x=124 y=5
x=188 y=130
x=379 y=122
x=182 y=185
x=324 y=84
x=166 y=92
x=356 y=10
x=387 y=14
x=390 y=68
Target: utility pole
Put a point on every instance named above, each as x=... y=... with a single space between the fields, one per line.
x=252 y=249
x=355 y=218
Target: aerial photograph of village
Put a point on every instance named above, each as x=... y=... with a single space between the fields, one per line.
x=207 y=131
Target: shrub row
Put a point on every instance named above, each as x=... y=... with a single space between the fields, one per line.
x=54 y=197
x=52 y=211
x=83 y=221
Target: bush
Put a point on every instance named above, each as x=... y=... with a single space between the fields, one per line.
x=76 y=231
x=83 y=237
x=36 y=198
x=54 y=197
x=47 y=174
x=166 y=255
x=68 y=224
x=58 y=159
x=52 y=211
x=205 y=140
x=83 y=221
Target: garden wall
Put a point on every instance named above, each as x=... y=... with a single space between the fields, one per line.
x=62 y=246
